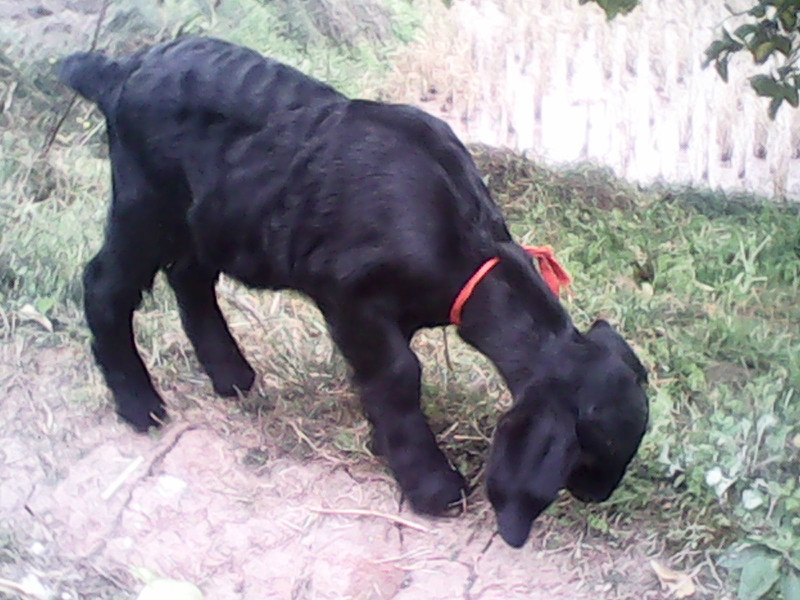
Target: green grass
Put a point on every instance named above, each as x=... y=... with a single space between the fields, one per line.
x=705 y=287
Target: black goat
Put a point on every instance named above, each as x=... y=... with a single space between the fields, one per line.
x=224 y=161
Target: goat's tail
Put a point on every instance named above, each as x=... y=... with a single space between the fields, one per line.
x=93 y=75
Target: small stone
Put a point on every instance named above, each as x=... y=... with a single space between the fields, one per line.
x=37 y=548
x=751 y=499
x=170 y=589
x=34 y=588
x=169 y=486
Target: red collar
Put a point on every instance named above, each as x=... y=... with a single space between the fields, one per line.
x=554 y=275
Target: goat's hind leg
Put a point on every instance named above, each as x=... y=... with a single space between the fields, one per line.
x=113 y=282
x=142 y=223
x=205 y=326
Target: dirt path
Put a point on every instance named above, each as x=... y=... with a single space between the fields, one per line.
x=210 y=500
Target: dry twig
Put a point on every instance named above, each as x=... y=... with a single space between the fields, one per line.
x=357 y=512
x=54 y=131
x=121 y=478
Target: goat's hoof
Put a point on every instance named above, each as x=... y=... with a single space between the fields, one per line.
x=437 y=491
x=231 y=379
x=143 y=415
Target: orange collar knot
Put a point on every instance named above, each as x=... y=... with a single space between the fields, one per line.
x=554 y=275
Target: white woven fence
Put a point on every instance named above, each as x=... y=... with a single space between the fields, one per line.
x=558 y=81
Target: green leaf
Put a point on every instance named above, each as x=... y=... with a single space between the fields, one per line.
x=745 y=30
x=763 y=51
x=774 y=106
x=790 y=585
x=722 y=68
x=764 y=85
x=730 y=43
x=758 y=11
x=788 y=18
x=714 y=50
x=758 y=577
x=617 y=7
x=791 y=95
x=783 y=44
x=727 y=37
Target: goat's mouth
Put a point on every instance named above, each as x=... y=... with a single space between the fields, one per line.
x=591 y=485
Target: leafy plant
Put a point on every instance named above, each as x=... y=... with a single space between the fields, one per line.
x=761 y=573
x=614 y=7
x=771 y=33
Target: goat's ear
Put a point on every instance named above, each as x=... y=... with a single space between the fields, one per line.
x=609 y=438
x=612 y=418
x=604 y=334
x=534 y=450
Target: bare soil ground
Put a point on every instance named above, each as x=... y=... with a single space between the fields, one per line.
x=212 y=500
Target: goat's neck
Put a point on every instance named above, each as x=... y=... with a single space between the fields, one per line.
x=510 y=327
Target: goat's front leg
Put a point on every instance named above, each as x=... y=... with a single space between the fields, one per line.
x=387 y=373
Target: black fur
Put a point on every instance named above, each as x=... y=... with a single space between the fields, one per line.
x=224 y=161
